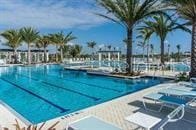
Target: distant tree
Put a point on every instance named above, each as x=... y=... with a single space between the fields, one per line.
x=162 y=26
x=29 y=36
x=145 y=34
x=92 y=45
x=43 y=42
x=109 y=47
x=75 y=50
x=60 y=40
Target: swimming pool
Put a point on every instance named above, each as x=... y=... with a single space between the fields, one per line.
x=45 y=92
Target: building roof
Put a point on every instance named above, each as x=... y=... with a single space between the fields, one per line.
x=11 y=50
x=109 y=51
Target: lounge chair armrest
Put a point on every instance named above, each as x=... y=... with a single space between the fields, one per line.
x=173 y=114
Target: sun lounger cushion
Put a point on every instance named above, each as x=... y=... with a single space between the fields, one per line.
x=165 y=99
x=178 y=92
x=91 y=123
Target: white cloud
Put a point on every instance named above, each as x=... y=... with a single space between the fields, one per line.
x=49 y=14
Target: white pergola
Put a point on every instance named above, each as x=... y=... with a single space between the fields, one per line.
x=22 y=55
x=109 y=53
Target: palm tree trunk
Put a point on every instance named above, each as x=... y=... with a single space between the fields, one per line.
x=193 y=51
x=56 y=53
x=147 y=53
x=162 y=52
x=15 y=56
x=178 y=55
x=129 y=50
x=29 y=53
x=168 y=57
x=45 y=59
x=143 y=53
x=61 y=49
x=92 y=54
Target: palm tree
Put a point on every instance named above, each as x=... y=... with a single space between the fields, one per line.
x=186 y=10
x=145 y=34
x=109 y=47
x=43 y=42
x=162 y=26
x=61 y=40
x=178 y=48
x=14 y=39
x=129 y=13
x=29 y=35
x=92 y=45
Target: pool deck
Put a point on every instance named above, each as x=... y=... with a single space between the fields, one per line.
x=113 y=111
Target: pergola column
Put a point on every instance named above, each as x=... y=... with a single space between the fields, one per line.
x=100 y=57
x=118 y=56
x=47 y=57
x=38 y=58
x=109 y=56
x=42 y=56
x=26 y=56
x=19 y=57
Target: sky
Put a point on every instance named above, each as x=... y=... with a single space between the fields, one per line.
x=78 y=16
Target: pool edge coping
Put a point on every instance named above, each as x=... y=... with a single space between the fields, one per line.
x=15 y=113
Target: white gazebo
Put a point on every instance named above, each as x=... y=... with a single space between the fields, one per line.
x=36 y=55
x=109 y=54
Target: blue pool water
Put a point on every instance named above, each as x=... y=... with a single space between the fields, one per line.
x=45 y=92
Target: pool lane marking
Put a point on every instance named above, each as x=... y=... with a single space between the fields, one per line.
x=45 y=100
x=90 y=85
x=70 y=90
x=73 y=91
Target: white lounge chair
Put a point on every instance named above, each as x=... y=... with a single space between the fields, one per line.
x=148 y=122
x=91 y=123
x=2 y=62
x=192 y=83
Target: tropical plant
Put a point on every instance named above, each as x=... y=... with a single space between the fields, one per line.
x=129 y=13
x=186 y=9
x=29 y=36
x=178 y=48
x=43 y=42
x=60 y=40
x=92 y=45
x=14 y=39
x=75 y=50
x=182 y=77
x=34 y=127
x=162 y=25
